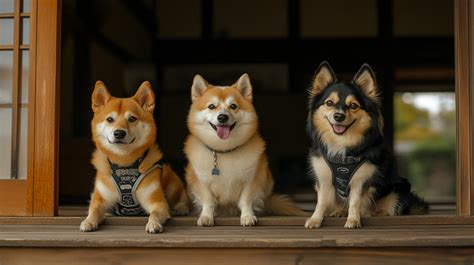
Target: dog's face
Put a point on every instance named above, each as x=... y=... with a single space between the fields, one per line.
x=122 y=125
x=342 y=114
x=223 y=117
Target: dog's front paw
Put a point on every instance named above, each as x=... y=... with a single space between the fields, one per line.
x=205 y=220
x=312 y=223
x=352 y=223
x=339 y=213
x=88 y=226
x=248 y=220
x=153 y=227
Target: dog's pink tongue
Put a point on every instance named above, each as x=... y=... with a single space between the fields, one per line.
x=339 y=128
x=223 y=131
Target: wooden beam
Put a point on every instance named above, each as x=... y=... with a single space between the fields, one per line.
x=46 y=143
x=207 y=19
x=385 y=65
x=464 y=109
x=407 y=52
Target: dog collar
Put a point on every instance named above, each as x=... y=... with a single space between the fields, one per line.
x=343 y=169
x=215 y=170
x=126 y=180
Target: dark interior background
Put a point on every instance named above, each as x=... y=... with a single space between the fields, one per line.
x=279 y=43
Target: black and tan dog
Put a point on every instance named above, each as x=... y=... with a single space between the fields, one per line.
x=355 y=174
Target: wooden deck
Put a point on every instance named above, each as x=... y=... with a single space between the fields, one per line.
x=275 y=232
x=433 y=239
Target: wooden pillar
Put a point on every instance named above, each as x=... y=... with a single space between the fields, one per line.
x=46 y=140
x=464 y=111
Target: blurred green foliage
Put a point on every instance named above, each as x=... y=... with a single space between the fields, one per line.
x=430 y=163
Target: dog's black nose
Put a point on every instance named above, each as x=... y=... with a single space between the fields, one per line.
x=119 y=134
x=223 y=118
x=339 y=117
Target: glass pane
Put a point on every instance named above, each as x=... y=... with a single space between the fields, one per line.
x=6 y=6
x=425 y=142
x=25 y=31
x=25 y=6
x=6 y=31
x=6 y=76
x=5 y=142
x=23 y=152
x=25 y=72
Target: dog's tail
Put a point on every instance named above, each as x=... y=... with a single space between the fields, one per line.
x=279 y=204
x=417 y=206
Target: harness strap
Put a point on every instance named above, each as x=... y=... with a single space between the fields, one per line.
x=343 y=169
x=126 y=180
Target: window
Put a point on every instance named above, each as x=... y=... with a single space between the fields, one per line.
x=14 y=77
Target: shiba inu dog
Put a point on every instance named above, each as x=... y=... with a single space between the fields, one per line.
x=228 y=169
x=355 y=175
x=130 y=180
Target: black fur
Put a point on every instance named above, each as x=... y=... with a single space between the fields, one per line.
x=372 y=148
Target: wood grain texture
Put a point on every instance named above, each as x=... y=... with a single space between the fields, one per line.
x=235 y=236
x=464 y=111
x=327 y=256
x=13 y=198
x=46 y=108
x=427 y=221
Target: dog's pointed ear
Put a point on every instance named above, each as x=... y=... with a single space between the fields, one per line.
x=145 y=96
x=100 y=96
x=198 y=88
x=244 y=86
x=323 y=77
x=364 y=79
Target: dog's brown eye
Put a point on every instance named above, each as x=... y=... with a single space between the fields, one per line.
x=110 y=119
x=132 y=119
x=329 y=103
x=353 y=106
x=212 y=106
x=233 y=106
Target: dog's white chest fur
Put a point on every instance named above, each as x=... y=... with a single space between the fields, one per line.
x=237 y=168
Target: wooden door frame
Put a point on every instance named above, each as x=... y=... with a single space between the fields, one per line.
x=43 y=142
x=464 y=107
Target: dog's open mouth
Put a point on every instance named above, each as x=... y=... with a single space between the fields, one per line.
x=340 y=128
x=121 y=142
x=223 y=131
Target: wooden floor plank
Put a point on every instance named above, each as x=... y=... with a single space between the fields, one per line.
x=237 y=237
x=263 y=221
x=327 y=256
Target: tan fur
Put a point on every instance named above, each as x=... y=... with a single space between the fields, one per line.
x=352 y=137
x=158 y=187
x=245 y=182
x=367 y=84
x=322 y=79
x=387 y=205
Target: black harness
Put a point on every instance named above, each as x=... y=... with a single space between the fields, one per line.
x=127 y=179
x=343 y=169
